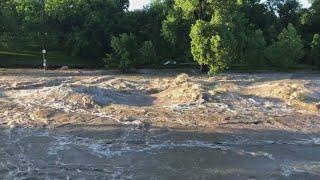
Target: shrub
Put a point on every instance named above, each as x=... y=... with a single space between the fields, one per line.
x=254 y=52
x=287 y=50
x=315 y=50
x=124 y=54
x=148 y=53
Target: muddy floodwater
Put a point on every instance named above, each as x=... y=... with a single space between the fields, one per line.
x=175 y=124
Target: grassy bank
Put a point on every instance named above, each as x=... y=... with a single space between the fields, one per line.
x=10 y=58
x=297 y=67
x=56 y=59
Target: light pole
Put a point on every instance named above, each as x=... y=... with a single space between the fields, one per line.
x=44 y=51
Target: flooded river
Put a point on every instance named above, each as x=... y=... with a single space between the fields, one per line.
x=158 y=125
x=129 y=153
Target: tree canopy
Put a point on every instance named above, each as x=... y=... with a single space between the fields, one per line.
x=219 y=34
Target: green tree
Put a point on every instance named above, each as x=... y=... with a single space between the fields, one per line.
x=84 y=28
x=315 y=50
x=221 y=31
x=254 y=52
x=2 y=26
x=289 y=12
x=146 y=25
x=148 y=53
x=214 y=33
x=176 y=27
x=175 y=30
x=210 y=48
x=311 y=19
x=287 y=50
x=222 y=41
x=10 y=25
x=261 y=17
x=124 y=54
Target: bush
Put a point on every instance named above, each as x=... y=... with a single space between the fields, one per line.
x=124 y=54
x=315 y=50
x=254 y=52
x=148 y=53
x=287 y=50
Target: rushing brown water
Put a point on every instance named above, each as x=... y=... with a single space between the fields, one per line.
x=135 y=154
x=158 y=125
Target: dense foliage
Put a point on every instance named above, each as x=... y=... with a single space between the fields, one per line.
x=287 y=50
x=219 y=34
x=127 y=52
x=315 y=50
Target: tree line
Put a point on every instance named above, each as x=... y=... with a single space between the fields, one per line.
x=217 y=34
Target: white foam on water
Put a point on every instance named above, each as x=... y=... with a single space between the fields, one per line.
x=316 y=141
x=117 y=147
x=185 y=144
x=289 y=169
x=61 y=144
x=260 y=153
x=134 y=123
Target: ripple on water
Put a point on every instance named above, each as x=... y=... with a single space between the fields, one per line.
x=66 y=155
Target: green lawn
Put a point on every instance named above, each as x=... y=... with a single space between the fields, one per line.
x=33 y=59
x=297 y=67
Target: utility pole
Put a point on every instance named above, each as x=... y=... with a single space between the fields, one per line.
x=44 y=51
